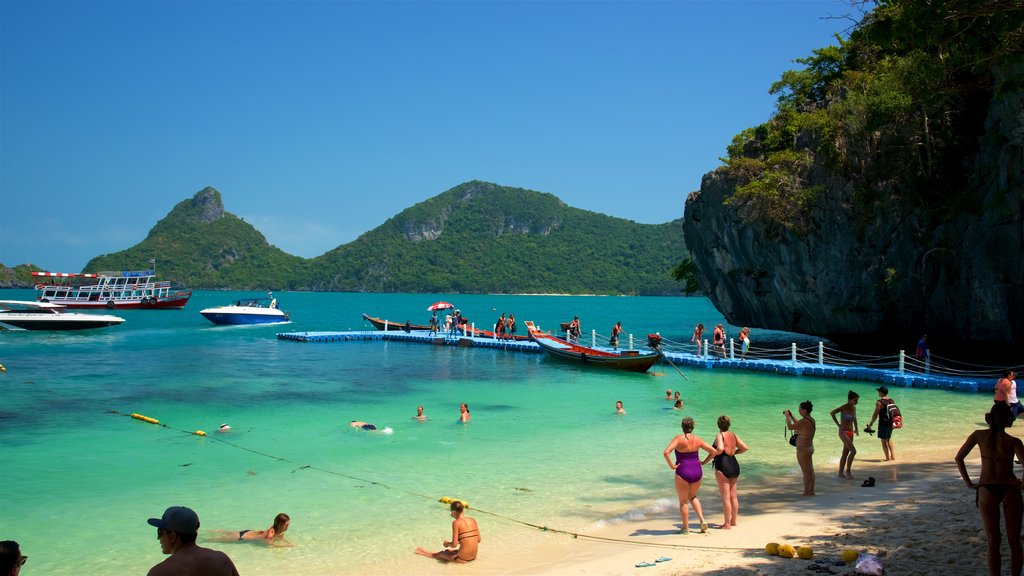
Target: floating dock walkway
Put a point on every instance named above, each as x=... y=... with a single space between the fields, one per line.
x=892 y=378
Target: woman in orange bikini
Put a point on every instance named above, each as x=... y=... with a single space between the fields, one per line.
x=465 y=533
x=998 y=485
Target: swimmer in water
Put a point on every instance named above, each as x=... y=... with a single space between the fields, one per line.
x=362 y=425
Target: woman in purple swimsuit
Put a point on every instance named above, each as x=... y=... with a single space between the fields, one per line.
x=688 y=472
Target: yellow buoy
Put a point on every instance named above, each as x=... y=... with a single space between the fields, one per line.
x=786 y=551
x=805 y=552
x=445 y=500
x=772 y=548
x=138 y=416
x=199 y=433
x=849 y=555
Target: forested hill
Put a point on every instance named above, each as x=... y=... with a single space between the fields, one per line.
x=475 y=238
x=883 y=200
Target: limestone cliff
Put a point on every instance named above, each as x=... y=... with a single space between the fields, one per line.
x=879 y=273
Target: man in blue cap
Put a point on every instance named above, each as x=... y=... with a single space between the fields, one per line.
x=177 y=530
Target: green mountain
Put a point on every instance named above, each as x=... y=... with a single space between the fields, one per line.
x=475 y=238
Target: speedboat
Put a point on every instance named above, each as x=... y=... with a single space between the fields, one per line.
x=26 y=315
x=249 y=311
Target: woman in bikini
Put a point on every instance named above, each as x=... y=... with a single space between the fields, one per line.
x=465 y=533
x=997 y=485
x=698 y=337
x=688 y=472
x=847 y=424
x=727 y=469
x=273 y=536
x=804 y=429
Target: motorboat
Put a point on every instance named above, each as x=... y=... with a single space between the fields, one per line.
x=247 y=311
x=27 y=315
x=629 y=360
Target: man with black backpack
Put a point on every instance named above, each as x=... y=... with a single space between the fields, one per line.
x=886 y=412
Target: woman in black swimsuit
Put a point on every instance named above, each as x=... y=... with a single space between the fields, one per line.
x=727 y=469
x=997 y=485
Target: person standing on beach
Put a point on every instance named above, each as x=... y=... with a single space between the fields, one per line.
x=177 y=531
x=1003 y=386
x=804 y=429
x=688 y=472
x=997 y=486
x=847 y=424
x=718 y=338
x=1011 y=398
x=884 y=422
x=727 y=469
x=465 y=534
x=698 y=338
x=11 y=559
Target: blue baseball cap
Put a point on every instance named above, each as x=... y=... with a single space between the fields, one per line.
x=177 y=519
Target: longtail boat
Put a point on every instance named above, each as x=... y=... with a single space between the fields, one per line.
x=629 y=360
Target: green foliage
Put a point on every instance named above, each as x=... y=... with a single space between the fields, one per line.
x=901 y=102
x=686 y=274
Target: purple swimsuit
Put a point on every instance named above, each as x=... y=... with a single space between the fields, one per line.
x=688 y=466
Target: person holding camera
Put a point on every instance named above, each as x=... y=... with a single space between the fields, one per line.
x=804 y=433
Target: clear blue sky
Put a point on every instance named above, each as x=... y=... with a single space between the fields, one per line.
x=318 y=121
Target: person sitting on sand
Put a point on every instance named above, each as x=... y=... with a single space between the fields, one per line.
x=362 y=425
x=465 y=533
x=997 y=485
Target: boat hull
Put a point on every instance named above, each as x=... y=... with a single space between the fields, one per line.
x=628 y=360
x=62 y=322
x=174 y=302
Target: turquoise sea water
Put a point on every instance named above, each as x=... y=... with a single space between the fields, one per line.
x=543 y=447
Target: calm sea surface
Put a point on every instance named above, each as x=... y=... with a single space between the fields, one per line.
x=80 y=478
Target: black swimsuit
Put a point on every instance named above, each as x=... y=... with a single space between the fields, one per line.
x=725 y=463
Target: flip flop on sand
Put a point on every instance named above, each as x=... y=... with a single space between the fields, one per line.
x=645 y=565
x=869 y=483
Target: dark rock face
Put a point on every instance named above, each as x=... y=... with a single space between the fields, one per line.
x=879 y=276
x=206 y=206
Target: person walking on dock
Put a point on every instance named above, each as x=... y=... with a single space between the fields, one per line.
x=698 y=338
x=719 y=341
x=433 y=324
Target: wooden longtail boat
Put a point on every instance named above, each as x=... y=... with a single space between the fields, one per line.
x=380 y=323
x=630 y=360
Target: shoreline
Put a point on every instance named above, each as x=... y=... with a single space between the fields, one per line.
x=918 y=519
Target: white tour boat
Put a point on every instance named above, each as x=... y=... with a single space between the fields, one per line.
x=108 y=290
x=248 y=311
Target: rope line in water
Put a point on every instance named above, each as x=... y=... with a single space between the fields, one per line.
x=428 y=497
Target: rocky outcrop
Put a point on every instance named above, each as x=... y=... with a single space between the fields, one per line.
x=880 y=274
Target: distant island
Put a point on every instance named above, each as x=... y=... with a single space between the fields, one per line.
x=477 y=237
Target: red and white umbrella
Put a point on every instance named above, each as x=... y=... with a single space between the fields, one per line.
x=442 y=305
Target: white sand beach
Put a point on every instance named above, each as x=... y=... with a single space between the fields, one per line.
x=919 y=518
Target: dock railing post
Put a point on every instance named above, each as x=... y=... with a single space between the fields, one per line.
x=821 y=353
x=705 y=354
x=593 y=338
x=631 y=341
x=927 y=364
x=902 y=359
x=385 y=325
x=732 y=349
x=794 y=353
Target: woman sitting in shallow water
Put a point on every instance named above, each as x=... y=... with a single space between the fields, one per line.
x=273 y=536
x=465 y=533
